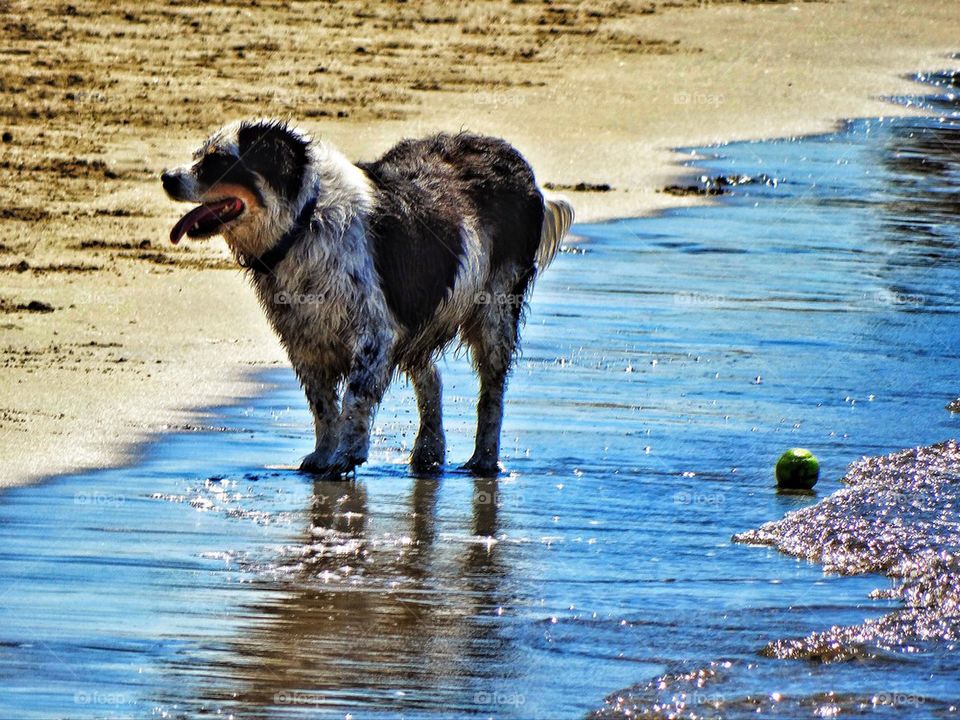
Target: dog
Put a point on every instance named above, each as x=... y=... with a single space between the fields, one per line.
x=371 y=269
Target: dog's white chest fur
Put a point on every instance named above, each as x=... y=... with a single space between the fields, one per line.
x=320 y=296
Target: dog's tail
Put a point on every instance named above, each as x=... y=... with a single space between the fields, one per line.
x=557 y=219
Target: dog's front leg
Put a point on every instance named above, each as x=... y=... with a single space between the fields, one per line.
x=366 y=383
x=321 y=394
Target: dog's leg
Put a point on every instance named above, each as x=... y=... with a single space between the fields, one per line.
x=492 y=369
x=429 y=450
x=493 y=339
x=366 y=383
x=322 y=396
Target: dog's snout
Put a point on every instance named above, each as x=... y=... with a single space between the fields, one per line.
x=171 y=182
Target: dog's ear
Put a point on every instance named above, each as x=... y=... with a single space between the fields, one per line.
x=276 y=153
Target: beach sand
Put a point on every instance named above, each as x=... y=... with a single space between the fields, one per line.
x=110 y=334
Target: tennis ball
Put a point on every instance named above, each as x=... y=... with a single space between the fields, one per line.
x=797 y=469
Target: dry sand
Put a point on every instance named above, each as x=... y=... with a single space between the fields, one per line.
x=110 y=334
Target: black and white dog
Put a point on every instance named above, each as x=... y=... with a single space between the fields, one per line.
x=368 y=269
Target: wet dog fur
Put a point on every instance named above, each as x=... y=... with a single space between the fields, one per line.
x=365 y=270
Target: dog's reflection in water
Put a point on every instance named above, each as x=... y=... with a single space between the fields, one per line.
x=380 y=614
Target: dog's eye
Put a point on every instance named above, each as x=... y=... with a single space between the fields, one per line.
x=216 y=167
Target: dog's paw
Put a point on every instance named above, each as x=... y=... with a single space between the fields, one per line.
x=484 y=467
x=345 y=460
x=333 y=470
x=315 y=462
x=427 y=460
x=338 y=464
x=429 y=454
x=325 y=467
x=342 y=466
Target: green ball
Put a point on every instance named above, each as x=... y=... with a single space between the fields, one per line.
x=797 y=469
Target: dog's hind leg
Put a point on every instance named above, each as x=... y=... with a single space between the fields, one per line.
x=491 y=356
x=493 y=339
x=429 y=450
x=322 y=396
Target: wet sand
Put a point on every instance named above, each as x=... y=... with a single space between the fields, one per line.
x=110 y=334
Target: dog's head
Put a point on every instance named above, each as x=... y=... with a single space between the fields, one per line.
x=247 y=178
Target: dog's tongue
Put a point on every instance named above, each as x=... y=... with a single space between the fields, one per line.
x=197 y=215
x=201 y=214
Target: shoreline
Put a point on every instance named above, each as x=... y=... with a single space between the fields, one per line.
x=154 y=337
x=243 y=385
x=245 y=382
x=683 y=169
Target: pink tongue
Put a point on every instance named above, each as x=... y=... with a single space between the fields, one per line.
x=198 y=214
x=188 y=221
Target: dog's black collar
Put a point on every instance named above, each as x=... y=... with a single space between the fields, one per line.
x=273 y=257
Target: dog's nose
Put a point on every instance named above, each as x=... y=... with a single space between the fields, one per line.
x=171 y=182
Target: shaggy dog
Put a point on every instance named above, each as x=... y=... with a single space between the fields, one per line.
x=368 y=269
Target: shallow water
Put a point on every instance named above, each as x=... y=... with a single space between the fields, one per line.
x=667 y=363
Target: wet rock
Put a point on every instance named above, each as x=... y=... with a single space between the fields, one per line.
x=580 y=187
x=36 y=306
x=681 y=190
x=720 y=184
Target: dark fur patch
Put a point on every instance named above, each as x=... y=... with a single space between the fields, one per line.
x=221 y=167
x=415 y=228
x=425 y=190
x=276 y=154
x=502 y=189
